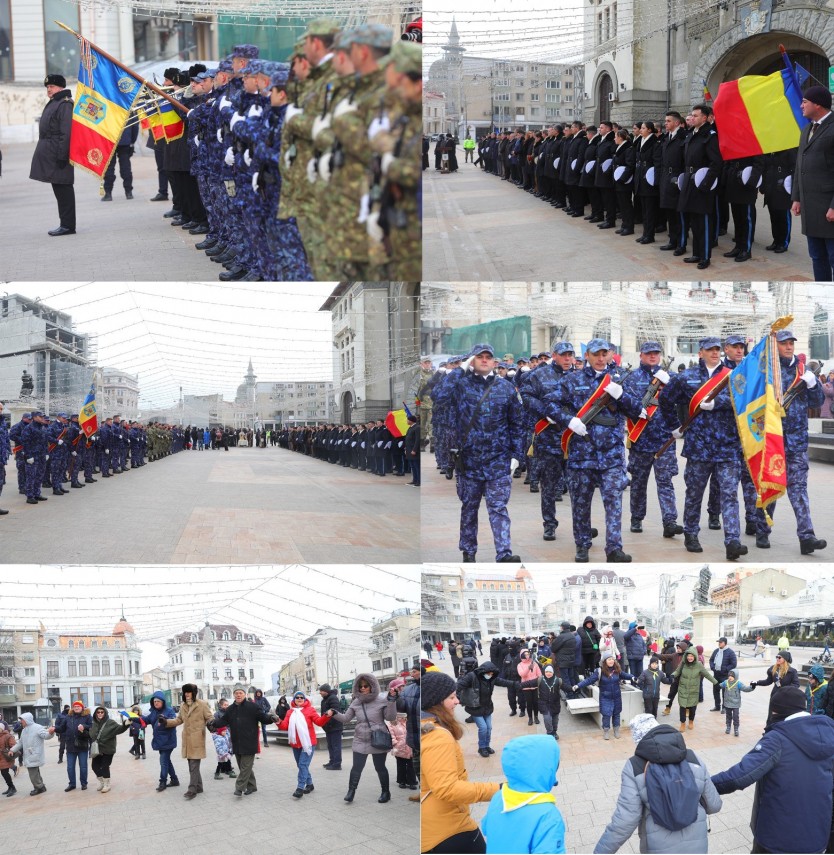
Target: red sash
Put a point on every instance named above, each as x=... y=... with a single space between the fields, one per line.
x=54 y=445
x=702 y=393
x=598 y=393
x=800 y=369
x=17 y=448
x=75 y=441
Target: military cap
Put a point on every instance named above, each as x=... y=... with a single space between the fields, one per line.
x=595 y=344
x=522 y=359
x=482 y=348
x=544 y=355
x=562 y=347
x=36 y=413
x=74 y=417
x=442 y=364
x=708 y=342
x=343 y=40
x=785 y=335
x=209 y=72
x=225 y=65
x=735 y=338
x=280 y=74
x=246 y=51
x=196 y=69
x=508 y=357
x=323 y=27
x=26 y=416
x=62 y=416
x=374 y=35
x=651 y=347
x=55 y=80
x=254 y=66
x=407 y=57
x=171 y=74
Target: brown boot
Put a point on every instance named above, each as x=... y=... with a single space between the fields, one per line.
x=691 y=724
x=683 y=726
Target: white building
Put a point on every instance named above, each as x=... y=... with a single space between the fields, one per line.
x=443 y=607
x=120 y=393
x=812 y=607
x=285 y=403
x=603 y=594
x=395 y=645
x=97 y=668
x=215 y=658
x=155 y=680
x=328 y=656
x=500 y=604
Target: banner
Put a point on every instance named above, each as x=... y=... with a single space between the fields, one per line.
x=397 y=423
x=88 y=417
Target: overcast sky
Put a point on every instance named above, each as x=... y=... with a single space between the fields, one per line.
x=281 y=604
x=198 y=336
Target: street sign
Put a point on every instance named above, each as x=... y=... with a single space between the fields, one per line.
x=831 y=78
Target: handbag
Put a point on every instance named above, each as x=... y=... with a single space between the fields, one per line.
x=94 y=749
x=379 y=738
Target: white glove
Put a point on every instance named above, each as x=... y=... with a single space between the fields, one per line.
x=661 y=375
x=107 y=451
x=373 y=228
x=311 y=170
x=219 y=135
x=577 y=426
x=707 y=405
x=552 y=421
x=377 y=126
x=255 y=110
x=364 y=208
x=513 y=465
x=46 y=458
x=229 y=159
x=344 y=106
x=320 y=125
x=400 y=444
x=386 y=161
x=643 y=414
x=677 y=433
x=353 y=445
x=188 y=113
x=235 y=119
x=379 y=444
x=60 y=442
x=196 y=140
x=324 y=166
x=809 y=379
x=387 y=444
x=224 y=102
x=614 y=390
x=363 y=445
x=467 y=365
x=255 y=181
x=75 y=454
x=291 y=111
x=246 y=159
x=287 y=159
x=30 y=460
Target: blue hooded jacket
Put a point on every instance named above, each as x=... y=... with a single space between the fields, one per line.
x=530 y=764
x=164 y=738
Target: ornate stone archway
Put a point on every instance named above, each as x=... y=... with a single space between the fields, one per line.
x=604 y=69
x=731 y=54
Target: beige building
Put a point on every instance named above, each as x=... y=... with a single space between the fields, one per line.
x=443 y=608
x=395 y=645
x=20 y=672
x=120 y=393
x=155 y=680
x=434 y=113
x=328 y=656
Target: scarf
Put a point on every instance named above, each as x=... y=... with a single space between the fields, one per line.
x=513 y=799
x=299 y=732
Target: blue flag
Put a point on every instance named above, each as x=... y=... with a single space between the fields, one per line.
x=801 y=74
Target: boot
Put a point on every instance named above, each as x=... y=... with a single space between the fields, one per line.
x=100 y=786
x=232 y=774
x=616 y=733
x=12 y=790
x=683 y=726
x=217 y=776
x=162 y=786
x=353 y=783
x=536 y=719
x=692 y=543
x=691 y=724
x=727 y=729
x=106 y=787
x=385 y=796
x=735 y=732
x=605 y=733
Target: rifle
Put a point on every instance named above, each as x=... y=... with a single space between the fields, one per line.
x=54 y=445
x=796 y=387
x=725 y=379
x=650 y=396
x=649 y=402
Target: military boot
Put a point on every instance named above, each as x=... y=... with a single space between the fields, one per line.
x=692 y=543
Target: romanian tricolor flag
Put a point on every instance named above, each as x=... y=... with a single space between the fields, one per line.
x=397 y=423
x=164 y=122
x=756 y=392
x=103 y=101
x=759 y=114
x=88 y=417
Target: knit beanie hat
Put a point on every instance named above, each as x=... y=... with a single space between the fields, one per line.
x=435 y=687
x=818 y=95
x=786 y=655
x=786 y=701
x=654 y=659
x=548 y=668
x=641 y=724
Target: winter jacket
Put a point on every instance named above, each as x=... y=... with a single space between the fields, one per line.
x=816 y=700
x=331 y=702
x=728 y=663
x=408 y=702
x=732 y=692
x=105 y=732
x=649 y=682
x=792 y=766
x=689 y=681
x=311 y=717
x=222 y=745
x=50 y=162
x=577 y=640
x=483 y=686
x=590 y=637
x=400 y=748
x=445 y=789
x=261 y=701
x=30 y=743
x=7 y=740
x=791 y=678
x=608 y=646
x=563 y=649
x=550 y=700
x=243 y=720
x=661 y=745
x=163 y=738
x=193 y=717
x=610 y=695
x=76 y=741
x=378 y=708
x=635 y=643
x=619 y=638
x=516 y=819
x=528 y=669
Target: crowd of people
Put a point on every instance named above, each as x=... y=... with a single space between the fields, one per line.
x=577 y=424
x=54 y=451
x=369 y=447
x=666 y=789
x=669 y=177
x=297 y=170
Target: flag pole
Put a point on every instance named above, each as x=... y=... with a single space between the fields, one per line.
x=154 y=88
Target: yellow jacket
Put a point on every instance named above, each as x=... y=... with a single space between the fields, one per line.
x=469 y=144
x=445 y=789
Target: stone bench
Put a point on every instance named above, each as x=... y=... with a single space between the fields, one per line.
x=632 y=704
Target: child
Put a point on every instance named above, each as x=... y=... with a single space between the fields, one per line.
x=137 y=731
x=649 y=683
x=733 y=687
x=816 y=692
x=549 y=700
x=402 y=753
x=223 y=747
x=529 y=673
x=522 y=816
x=610 y=694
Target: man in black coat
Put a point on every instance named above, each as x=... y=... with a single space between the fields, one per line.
x=813 y=183
x=50 y=163
x=123 y=153
x=604 y=175
x=586 y=178
x=412 y=450
x=333 y=729
x=242 y=718
x=563 y=654
x=671 y=167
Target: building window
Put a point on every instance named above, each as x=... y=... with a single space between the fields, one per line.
x=198 y=675
x=71 y=644
x=119 y=668
x=553 y=84
x=534 y=97
x=387 y=662
x=228 y=673
x=96 y=672
x=30 y=688
x=81 y=644
x=376 y=665
x=28 y=672
x=120 y=696
x=534 y=111
x=72 y=668
x=552 y=98
x=241 y=673
x=105 y=667
x=82 y=667
x=214 y=674
x=52 y=670
x=61 y=46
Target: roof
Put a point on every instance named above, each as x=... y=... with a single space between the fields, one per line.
x=585 y=578
x=218 y=629
x=338 y=291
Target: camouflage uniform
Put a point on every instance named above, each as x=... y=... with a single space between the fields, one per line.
x=16 y=436
x=424 y=396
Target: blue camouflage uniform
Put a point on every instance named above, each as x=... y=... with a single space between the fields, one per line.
x=641 y=455
x=16 y=436
x=710 y=446
x=496 y=436
x=598 y=459
x=105 y=444
x=442 y=418
x=57 y=436
x=90 y=454
x=75 y=450
x=5 y=450
x=35 y=445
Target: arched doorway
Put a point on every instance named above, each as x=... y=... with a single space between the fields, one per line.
x=605 y=89
x=347 y=408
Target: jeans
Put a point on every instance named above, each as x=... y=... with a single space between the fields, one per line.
x=334 y=746
x=821 y=251
x=607 y=720
x=551 y=722
x=732 y=717
x=302 y=760
x=635 y=667
x=82 y=766
x=441 y=654
x=166 y=767
x=484 y=723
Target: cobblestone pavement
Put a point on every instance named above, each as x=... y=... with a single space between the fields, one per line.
x=478 y=228
x=244 y=506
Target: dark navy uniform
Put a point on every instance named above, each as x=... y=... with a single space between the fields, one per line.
x=35 y=446
x=702 y=160
x=16 y=436
x=742 y=178
x=776 y=187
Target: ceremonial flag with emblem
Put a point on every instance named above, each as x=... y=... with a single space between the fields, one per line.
x=104 y=98
x=759 y=114
x=756 y=392
x=397 y=423
x=164 y=122
x=88 y=417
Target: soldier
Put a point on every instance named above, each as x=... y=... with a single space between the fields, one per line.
x=123 y=153
x=539 y=385
x=57 y=450
x=646 y=437
x=795 y=433
x=604 y=175
x=75 y=438
x=742 y=178
x=425 y=402
x=711 y=443
x=4 y=452
x=16 y=437
x=105 y=447
x=35 y=453
x=596 y=454
x=587 y=174
x=487 y=425
x=90 y=455
x=776 y=188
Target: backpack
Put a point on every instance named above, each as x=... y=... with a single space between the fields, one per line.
x=470 y=696
x=672 y=792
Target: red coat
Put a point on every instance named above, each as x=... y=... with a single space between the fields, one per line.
x=312 y=718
